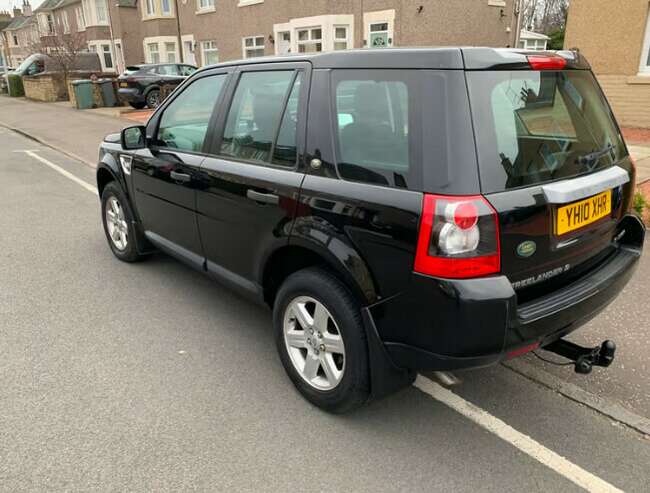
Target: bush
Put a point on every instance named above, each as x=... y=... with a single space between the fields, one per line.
x=16 y=88
x=640 y=203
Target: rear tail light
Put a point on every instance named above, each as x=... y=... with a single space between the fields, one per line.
x=459 y=237
x=545 y=62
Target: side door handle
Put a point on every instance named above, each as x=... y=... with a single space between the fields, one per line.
x=183 y=177
x=263 y=198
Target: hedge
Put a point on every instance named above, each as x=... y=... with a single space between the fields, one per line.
x=16 y=88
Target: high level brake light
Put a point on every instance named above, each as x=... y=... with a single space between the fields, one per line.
x=546 y=62
x=458 y=238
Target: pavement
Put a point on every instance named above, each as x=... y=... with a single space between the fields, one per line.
x=152 y=377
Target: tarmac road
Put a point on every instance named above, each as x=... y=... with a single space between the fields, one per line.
x=151 y=377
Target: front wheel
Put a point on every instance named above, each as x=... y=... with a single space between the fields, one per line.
x=321 y=340
x=117 y=219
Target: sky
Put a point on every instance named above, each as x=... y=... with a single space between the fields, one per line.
x=9 y=4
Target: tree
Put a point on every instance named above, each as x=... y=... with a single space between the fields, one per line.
x=544 y=16
x=62 y=48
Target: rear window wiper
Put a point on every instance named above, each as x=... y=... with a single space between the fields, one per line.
x=592 y=157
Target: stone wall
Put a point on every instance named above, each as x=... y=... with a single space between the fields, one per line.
x=45 y=87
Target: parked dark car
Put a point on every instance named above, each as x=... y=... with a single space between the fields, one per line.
x=142 y=85
x=399 y=210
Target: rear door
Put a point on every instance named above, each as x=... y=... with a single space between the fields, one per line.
x=252 y=177
x=554 y=166
x=166 y=174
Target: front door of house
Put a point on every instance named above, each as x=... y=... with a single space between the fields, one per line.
x=379 y=35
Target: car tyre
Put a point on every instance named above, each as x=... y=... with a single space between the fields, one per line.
x=341 y=381
x=138 y=106
x=119 y=228
x=153 y=99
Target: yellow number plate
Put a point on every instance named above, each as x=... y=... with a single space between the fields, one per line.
x=123 y=84
x=579 y=214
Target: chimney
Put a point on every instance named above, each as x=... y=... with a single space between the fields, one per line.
x=17 y=12
x=27 y=8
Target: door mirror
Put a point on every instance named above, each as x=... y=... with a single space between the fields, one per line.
x=133 y=138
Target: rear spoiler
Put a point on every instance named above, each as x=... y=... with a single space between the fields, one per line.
x=511 y=59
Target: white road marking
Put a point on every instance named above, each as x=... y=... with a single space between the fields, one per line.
x=92 y=189
x=524 y=443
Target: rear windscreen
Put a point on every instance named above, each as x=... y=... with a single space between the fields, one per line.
x=537 y=126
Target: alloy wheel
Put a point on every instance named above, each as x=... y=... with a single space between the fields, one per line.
x=314 y=343
x=116 y=224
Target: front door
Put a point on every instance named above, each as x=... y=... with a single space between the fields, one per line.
x=165 y=174
x=252 y=181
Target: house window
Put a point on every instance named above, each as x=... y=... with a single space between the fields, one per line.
x=50 y=24
x=644 y=66
x=206 y=4
x=170 y=50
x=15 y=40
x=65 y=23
x=81 y=20
x=100 y=10
x=379 y=35
x=154 y=54
x=166 y=7
x=210 y=52
x=107 y=57
x=310 y=40
x=253 y=46
x=340 y=37
x=150 y=7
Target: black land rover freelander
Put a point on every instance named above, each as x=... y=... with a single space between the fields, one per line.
x=399 y=210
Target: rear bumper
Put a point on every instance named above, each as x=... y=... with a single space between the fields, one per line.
x=441 y=324
x=130 y=95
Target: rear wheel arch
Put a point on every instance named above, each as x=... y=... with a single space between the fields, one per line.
x=291 y=258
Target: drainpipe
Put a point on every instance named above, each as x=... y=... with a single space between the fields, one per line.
x=178 y=31
x=518 y=25
x=118 y=60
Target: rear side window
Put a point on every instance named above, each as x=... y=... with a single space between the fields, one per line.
x=537 y=126
x=255 y=114
x=184 y=123
x=373 y=118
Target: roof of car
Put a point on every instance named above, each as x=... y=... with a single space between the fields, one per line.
x=441 y=58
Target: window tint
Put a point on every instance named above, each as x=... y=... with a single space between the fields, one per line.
x=538 y=126
x=284 y=152
x=185 y=121
x=255 y=114
x=372 y=127
x=167 y=70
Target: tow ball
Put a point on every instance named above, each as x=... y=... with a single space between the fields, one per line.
x=584 y=358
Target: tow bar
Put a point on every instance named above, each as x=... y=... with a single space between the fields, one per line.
x=584 y=358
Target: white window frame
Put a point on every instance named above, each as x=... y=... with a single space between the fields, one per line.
x=324 y=22
x=189 y=55
x=379 y=17
x=150 y=52
x=310 y=40
x=345 y=40
x=98 y=46
x=173 y=52
x=254 y=47
x=203 y=6
x=90 y=13
x=81 y=20
x=205 y=50
x=246 y=3
x=166 y=12
x=65 y=22
x=644 y=63
x=150 y=8
x=153 y=9
x=104 y=10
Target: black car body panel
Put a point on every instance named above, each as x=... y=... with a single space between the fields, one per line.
x=139 y=80
x=235 y=219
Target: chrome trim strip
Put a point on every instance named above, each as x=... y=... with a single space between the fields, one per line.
x=574 y=189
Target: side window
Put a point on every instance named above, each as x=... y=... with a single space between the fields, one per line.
x=184 y=122
x=255 y=114
x=186 y=70
x=372 y=126
x=167 y=70
x=285 y=152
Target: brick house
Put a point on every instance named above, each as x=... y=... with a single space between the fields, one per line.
x=615 y=37
x=220 y=30
x=20 y=35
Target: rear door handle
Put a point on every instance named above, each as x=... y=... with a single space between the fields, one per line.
x=180 y=176
x=263 y=198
